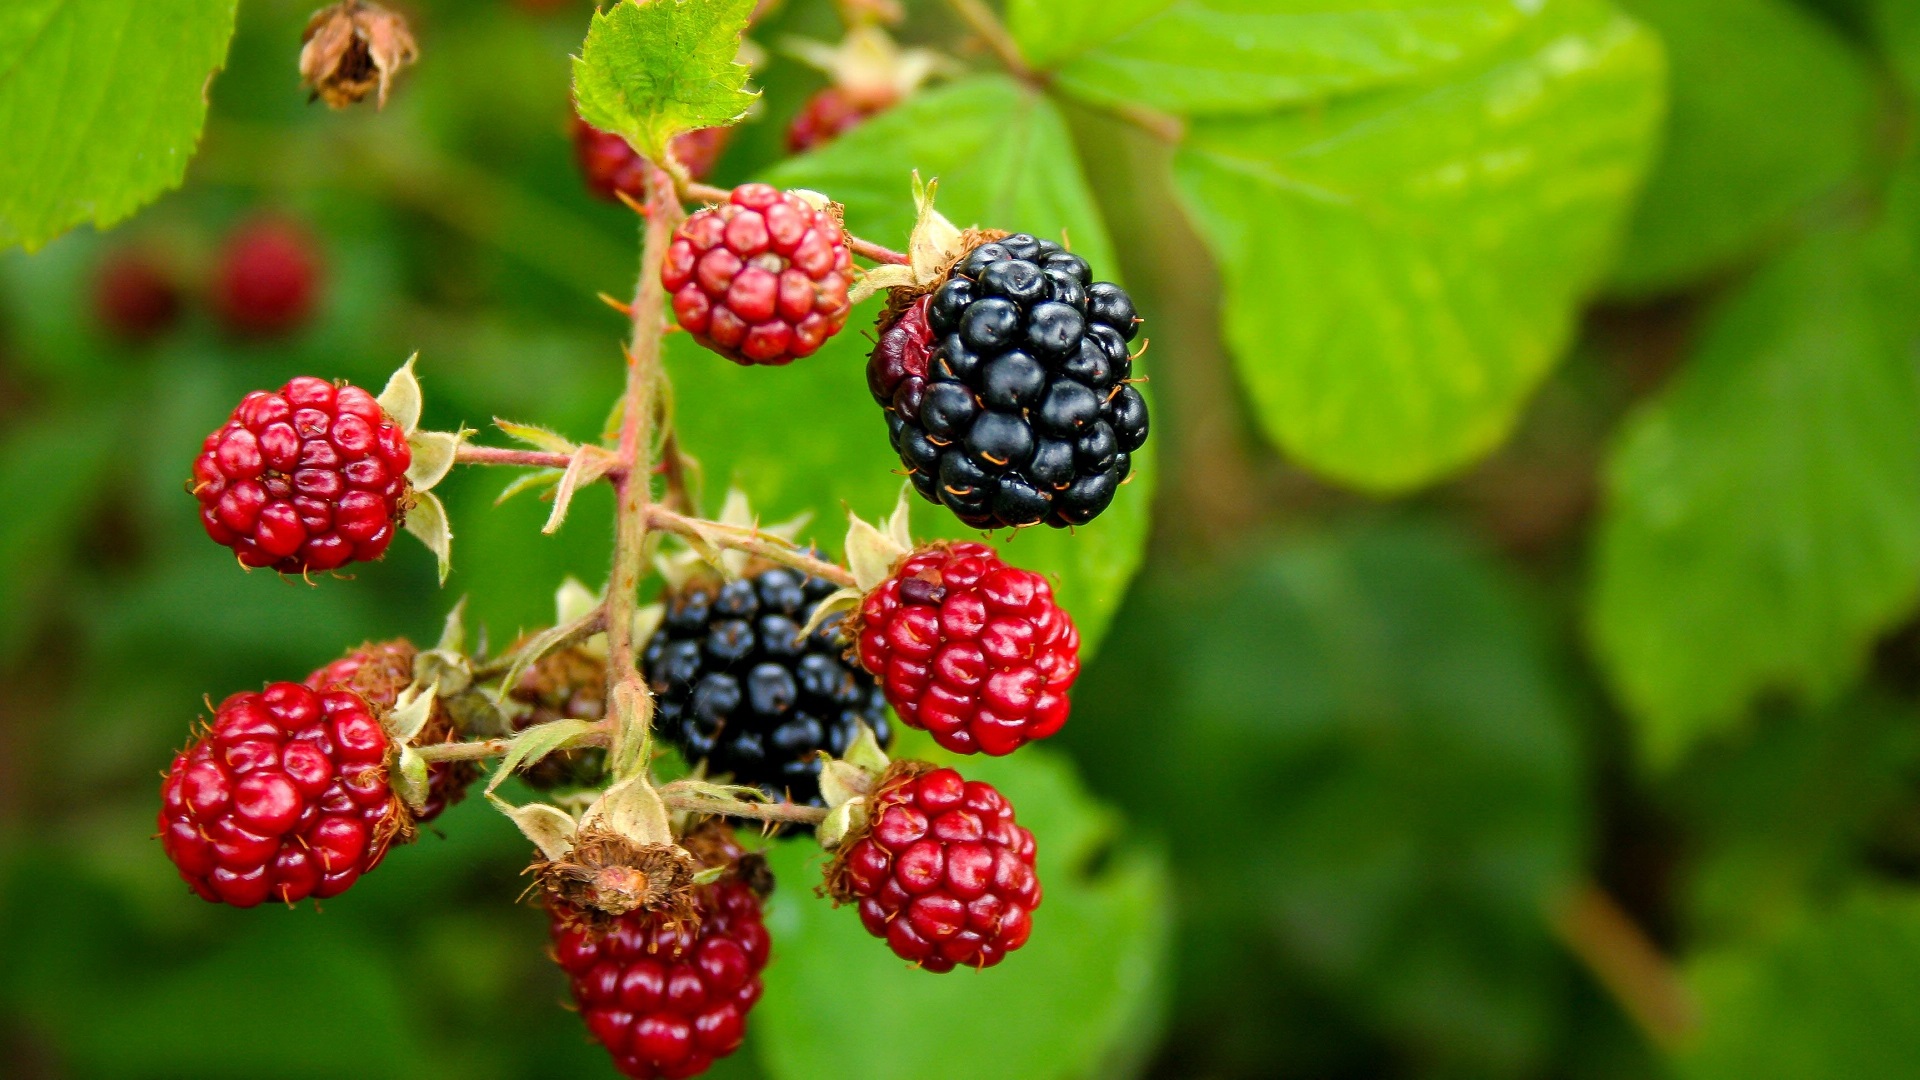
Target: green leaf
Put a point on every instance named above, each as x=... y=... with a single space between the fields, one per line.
x=1896 y=24
x=1763 y=514
x=1207 y=57
x=809 y=437
x=101 y=103
x=652 y=70
x=1370 y=765
x=1049 y=31
x=1079 y=1000
x=1777 y=823
x=1839 y=996
x=1403 y=268
x=1771 y=109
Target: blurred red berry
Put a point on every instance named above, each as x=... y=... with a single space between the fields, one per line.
x=611 y=167
x=942 y=873
x=830 y=113
x=762 y=278
x=134 y=297
x=284 y=797
x=268 y=279
x=310 y=477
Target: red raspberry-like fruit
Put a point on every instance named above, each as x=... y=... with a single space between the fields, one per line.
x=268 y=279
x=378 y=672
x=969 y=649
x=942 y=873
x=285 y=796
x=761 y=278
x=831 y=113
x=309 y=478
x=610 y=167
x=134 y=297
x=665 y=996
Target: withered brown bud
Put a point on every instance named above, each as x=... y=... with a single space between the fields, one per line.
x=606 y=874
x=352 y=48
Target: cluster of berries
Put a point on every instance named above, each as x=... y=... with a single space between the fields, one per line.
x=1004 y=374
x=264 y=284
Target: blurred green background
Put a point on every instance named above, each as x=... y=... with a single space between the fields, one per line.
x=1502 y=732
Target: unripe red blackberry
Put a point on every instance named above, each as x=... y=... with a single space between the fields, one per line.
x=1022 y=411
x=832 y=112
x=942 y=871
x=969 y=649
x=284 y=796
x=378 y=673
x=566 y=684
x=267 y=280
x=737 y=687
x=310 y=477
x=134 y=297
x=761 y=278
x=667 y=995
x=611 y=167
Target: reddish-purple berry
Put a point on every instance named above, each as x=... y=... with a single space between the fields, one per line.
x=761 y=278
x=284 y=796
x=942 y=872
x=666 y=995
x=969 y=649
x=311 y=477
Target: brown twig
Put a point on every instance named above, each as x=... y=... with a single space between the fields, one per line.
x=982 y=21
x=1594 y=928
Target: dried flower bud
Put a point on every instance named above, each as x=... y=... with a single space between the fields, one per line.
x=351 y=48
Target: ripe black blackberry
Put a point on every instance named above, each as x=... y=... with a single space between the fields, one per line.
x=736 y=686
x=1006 y=388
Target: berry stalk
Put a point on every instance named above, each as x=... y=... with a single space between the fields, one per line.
x=752 y=541
x=467 y=454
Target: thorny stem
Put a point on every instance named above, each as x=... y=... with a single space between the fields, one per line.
x=750 y=540
x=583 y=628
x=626 y=689
x=740 y=808
x=494 y=455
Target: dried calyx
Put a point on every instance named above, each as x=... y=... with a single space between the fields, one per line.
x=353 y=48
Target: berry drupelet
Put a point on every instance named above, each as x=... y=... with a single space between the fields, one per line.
x=761 y=278
x=942 y=873
x=309 y=477
x=736 y=686
x=284 y=796
x=969 y=649
x=1007 y=388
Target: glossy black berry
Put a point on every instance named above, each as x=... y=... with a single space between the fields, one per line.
x=1023 y=414
x=735 y=685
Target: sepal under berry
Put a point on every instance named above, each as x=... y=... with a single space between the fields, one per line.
x=433 y=454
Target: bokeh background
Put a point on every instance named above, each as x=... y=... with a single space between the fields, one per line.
x=1506 y=776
